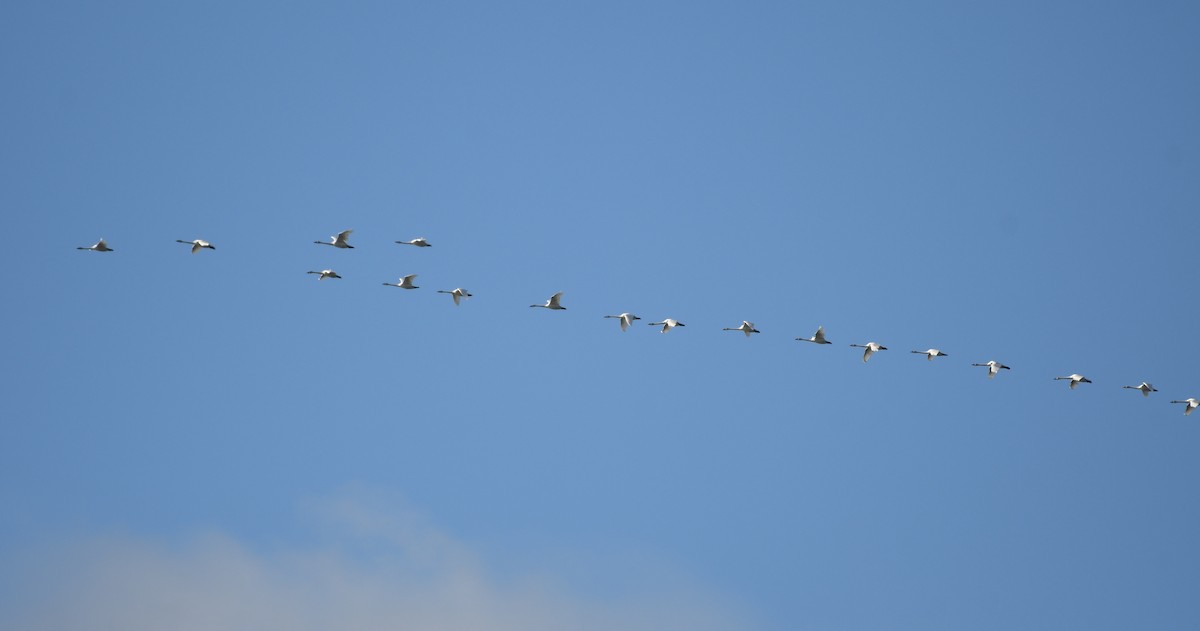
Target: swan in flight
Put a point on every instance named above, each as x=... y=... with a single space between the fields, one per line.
x=406 y=282
x=931 y=353
x=993 y=367
x=457 y=294
x=1075 y=378
x=553 y=303
x=1146 y=388
x=817 y=338
x=667 y=324
x=420 y=242
x=872 y=348
x=101 y=246
x=325 y=273
x=197 y=244
x=746 y=327
x=626 y=319
x=1191 y=405
x=338 y=240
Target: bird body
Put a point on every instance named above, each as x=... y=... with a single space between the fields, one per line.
x=338 y=240
x=625 y=318
x=406 y=282
x=817 y=338
x=1075 y=379
x=420 y=242
x=197 y=244
x=993 y=367
x=553 y=303
x=1192 y=404
x=1146 y=388
x=931 y=353
x=667 y=324
x=871 y=349
x=101 y=246
x=325 y=273
x=457 y=294
x=746 y=327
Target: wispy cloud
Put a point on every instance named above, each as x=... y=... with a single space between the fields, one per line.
x=378 y=569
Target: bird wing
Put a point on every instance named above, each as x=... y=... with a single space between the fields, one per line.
x=555 y=298
x=819 y=336
x=196 y=246
x=867 y=353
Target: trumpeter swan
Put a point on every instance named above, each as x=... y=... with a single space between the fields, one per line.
x=667 y=324
x=325 y=273
x=457 y=294
x=1191 y=405
x=747 y=327
x=197 y=244
x=1075 y=378
x=872 y=348
x=625 y=318
x=420 y=242
x=338 y=240
x=406 y=282
x=553 y=303
x=1146 y=388
x=931 y=353
x=993 y=367
x=817 y=338
x=101 y=246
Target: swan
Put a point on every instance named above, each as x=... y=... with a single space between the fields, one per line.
x=406 y=282
x=457 y=294
x=101 y=246
x=993 y=367
x=872 y=348
x=931 y=353
x=817 y=338
x=746 y=327
x=1146 y=388
x=1192 y=404
x=667 y=324
x=338 y=240
x=420 y=242
x=1075 y=378
x=625 y=318
x=197 y=244
x=325 y=273
x=553 y=303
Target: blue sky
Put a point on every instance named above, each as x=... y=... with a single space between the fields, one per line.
x=1012 y=182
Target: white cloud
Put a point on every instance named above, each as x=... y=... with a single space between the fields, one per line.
x=379 y=570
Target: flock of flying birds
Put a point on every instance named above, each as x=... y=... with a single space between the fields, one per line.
x=554 y=303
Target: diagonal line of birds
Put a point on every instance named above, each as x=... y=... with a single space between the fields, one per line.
x=341 y=240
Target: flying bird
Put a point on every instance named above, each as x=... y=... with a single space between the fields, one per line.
x=420 y=242
x=325 y=273
x=457 y=294
x=667 y=324
x=1075 y=378
x=625 y=318
x=338 y=240
x=553 y=303
x=817 y=338
x=1192 y=404
x=931 y=353
x=746 y=327
x=406 y=282
x=993 y=367
x=101 y=246
x=872 y=348
x=1146 y=388
x=197 y=244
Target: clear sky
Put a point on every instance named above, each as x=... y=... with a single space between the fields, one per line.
x=220 y=440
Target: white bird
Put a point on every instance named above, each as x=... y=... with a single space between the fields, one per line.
x=197 y=244
x=746 y=327
x=325 y=273
x=553 y=303
x=817 y=338
x=1191 y=405
x=626 y=319
x=1146 y=388
x=993 y=367
x=406 y=282
x=872 y=348
x=667 y=324
x=338 y=240
x=457 y=294
x=101 y=246
x=931 y=353
x=1075 y=378
x=420 y=242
